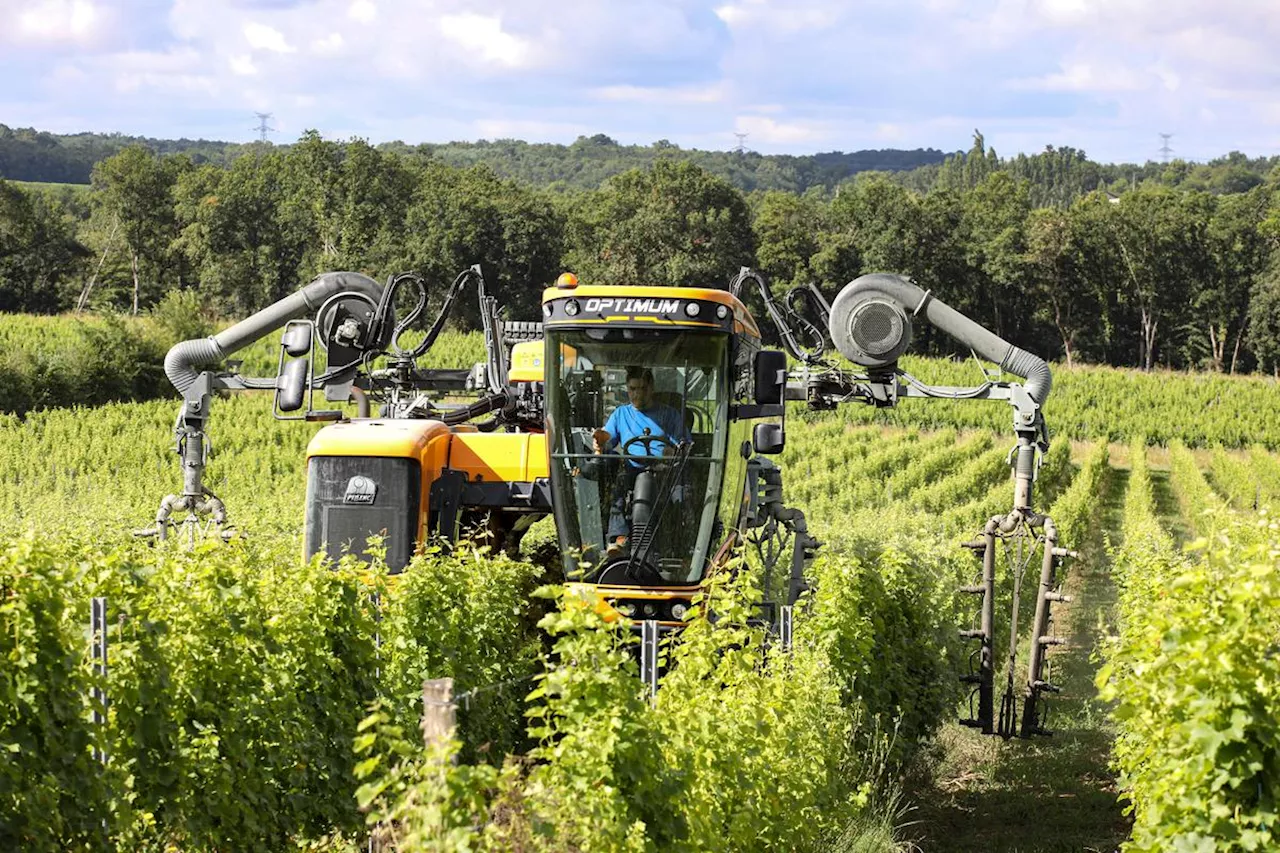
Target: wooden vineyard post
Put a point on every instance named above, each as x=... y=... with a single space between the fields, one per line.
x=438 y=717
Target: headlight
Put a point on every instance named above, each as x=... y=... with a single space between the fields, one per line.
x=626 y=608
x=692 y=309
x=648 y=609
x=679 y=610
x=572 y=308
x=722 y=311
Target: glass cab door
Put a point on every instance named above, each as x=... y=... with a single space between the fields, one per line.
x=637 y=427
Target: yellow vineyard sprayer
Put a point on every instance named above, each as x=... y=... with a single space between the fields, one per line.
x=640 y=417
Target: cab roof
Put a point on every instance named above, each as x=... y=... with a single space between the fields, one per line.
x=743 y=321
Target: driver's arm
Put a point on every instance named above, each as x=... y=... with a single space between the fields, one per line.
x=607 y=436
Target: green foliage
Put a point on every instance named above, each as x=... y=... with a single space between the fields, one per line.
x=1170 y=272
x=53 y=362
x=418 y=800
x=1079 y=505
x=134 y=188
x=745 y=746
x=466 y=616
x=1195 y=497
x=238 y=678
x=237 y=681
x=1194 y=675
x=787 y=230
x=31 y=155
x=1089 y=403
x=52 y=793
x=182 y=315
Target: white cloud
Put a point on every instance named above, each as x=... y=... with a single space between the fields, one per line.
x=242 y=65
x=1067 y=12
x=328 y=45
x=784 y=17
x=656 y=95
x=262 y=37
x=59 y=20
x=796 y=75
x=363 y=11
x=764 y=129
x=889 y=132
x=483 y=35
x=1088 y=77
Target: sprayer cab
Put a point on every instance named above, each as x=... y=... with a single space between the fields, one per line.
x=646 y=395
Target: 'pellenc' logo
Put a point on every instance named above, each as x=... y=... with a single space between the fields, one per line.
x=360 y=490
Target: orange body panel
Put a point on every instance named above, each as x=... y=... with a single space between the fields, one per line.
x=486 y=457
x=499 y=456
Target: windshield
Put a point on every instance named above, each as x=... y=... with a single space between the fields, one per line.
x=637 y=429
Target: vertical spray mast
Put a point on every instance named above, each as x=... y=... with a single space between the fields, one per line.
x=871 y=323
x=192 y=368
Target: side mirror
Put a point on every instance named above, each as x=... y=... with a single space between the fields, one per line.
x=296 y=340
x=291 y=385
x=770 y=368
x=768 y=439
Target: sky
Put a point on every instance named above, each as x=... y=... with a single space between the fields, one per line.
x=797 y=77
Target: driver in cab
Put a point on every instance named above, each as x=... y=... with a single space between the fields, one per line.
x=642 y=416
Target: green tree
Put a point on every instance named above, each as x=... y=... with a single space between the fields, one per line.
x=881 y=220
x=994 y=238
x=1054 y=278
x=135 y=189
x=1162 y=246
x=879 y=226
x=351 y=201
x=463 y=217
x=966 y=171
x=787 y=227
x=1239 y=255
x=672 y=224
x=1264 y=320
x=245 y=252
x=38 y=253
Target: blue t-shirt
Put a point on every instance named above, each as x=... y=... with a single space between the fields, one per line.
x=627 y=422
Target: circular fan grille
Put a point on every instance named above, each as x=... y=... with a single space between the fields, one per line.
x=877 y=328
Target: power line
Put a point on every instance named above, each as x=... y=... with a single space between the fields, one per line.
x=263 y=128
x=1165 y=150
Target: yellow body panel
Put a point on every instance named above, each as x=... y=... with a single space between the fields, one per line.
x=526 y=362
x=499 y=456
x=602 y=597
x=376 y=437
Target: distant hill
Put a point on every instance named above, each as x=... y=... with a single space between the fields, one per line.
x=27 y=154
x=587 y=162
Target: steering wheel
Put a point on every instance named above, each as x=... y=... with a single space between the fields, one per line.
x=646 y=441
x=619 y=572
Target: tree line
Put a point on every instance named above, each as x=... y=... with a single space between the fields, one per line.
x=27 y=154
x=1160 y=271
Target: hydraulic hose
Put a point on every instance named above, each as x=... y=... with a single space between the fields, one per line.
x=913 y=300
x=181 y=360
x=483 y=406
